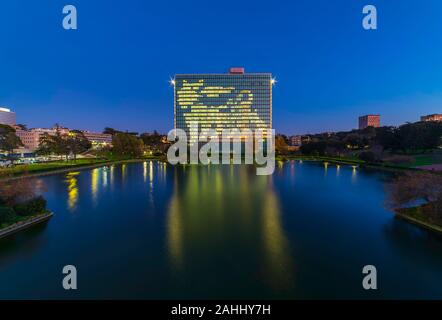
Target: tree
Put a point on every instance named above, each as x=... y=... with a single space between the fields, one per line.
x=64 y=144
x=410 y=188
x=110 y=131
x=76 y=143
x=22 y=126
x=314 y=147
x=388 y=138
x=368 y=156
x=281 y=146
x=420 y=136
x=14 y=191
x=334 y=147
x=53 y=144
x=127 y=145
x=8 y=139
x=154 y=141
x=7 y=215
x=47 y=145
x=355 y=141
x=30 y=207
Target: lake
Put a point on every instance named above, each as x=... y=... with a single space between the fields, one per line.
x=154 y=231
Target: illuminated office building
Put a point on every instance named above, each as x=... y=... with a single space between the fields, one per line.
x=370 y=120
x=236 y=100
x=432 y=117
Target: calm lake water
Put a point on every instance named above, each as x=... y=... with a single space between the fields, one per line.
x=151 y=230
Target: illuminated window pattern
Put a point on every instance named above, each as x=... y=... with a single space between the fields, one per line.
x=218 y=101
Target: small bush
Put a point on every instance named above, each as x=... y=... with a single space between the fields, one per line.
x=7 y=215
x=31 y=207
x=367 y=156
x=399 y=159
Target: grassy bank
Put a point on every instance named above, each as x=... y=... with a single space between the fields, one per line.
x=348 y=161
x=21 y=219
x=48 y=166
x=336 y=160
x=60 y=166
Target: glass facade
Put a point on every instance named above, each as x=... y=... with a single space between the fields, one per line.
x=223 y=101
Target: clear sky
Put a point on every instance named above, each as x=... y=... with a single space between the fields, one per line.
x=114 y=70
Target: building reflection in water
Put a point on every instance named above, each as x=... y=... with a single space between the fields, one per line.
x=277 y=258
x=72 y=180
x=174 y=230
x=220 y=211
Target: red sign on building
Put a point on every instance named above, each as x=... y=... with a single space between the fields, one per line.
x=236 y=71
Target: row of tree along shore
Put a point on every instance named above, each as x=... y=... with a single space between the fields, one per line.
x=21 y=204
x=74 y=150
x=413 y=193
x=21 y=200
x=411 y=151
x=410 y=145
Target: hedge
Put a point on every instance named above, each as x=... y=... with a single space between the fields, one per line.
x=31 y=207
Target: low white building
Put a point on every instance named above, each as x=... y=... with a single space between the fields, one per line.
x=97 y=138
x=7 y=117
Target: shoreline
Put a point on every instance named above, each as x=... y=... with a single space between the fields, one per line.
x=19 y=226
x=420 y=223
x=351 y=162
x=74 y=167
x=332 y=160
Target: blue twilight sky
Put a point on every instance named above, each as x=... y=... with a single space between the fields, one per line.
x=114 y=70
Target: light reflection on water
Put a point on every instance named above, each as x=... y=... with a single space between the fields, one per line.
x=220 y=231
x=71 y=180
x=94 y=184
x=206 y=206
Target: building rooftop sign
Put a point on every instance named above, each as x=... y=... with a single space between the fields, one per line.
x=236 y=71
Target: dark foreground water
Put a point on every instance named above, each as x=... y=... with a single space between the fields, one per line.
x=150 y=230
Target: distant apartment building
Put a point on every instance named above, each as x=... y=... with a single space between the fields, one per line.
x=296 y=141
x=432 y=117
x=97 y=138
x=7 y=117
x=236 y=100
x=370 y=120
x=31 y=138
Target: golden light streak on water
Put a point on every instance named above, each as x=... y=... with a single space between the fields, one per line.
x=151 y=173
x=145 y=171
x=71 y=179
x=123 y=171
x=94 y=184
x=104 y=176
x=354 y=174
x=175 y=230
x=277 y=255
